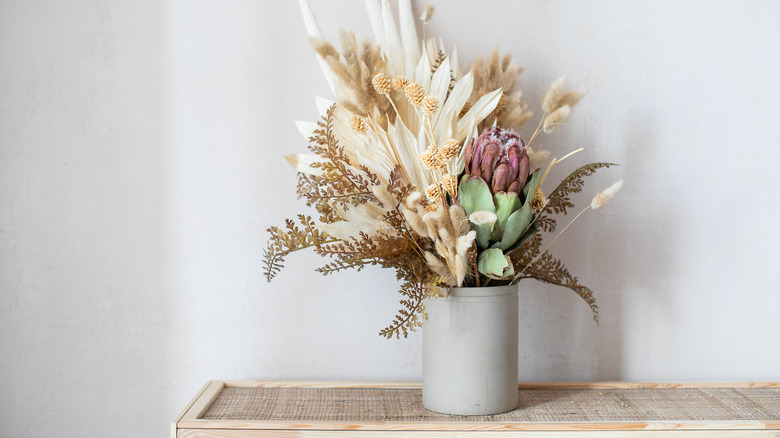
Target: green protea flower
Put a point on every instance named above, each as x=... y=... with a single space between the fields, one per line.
x=496 y=192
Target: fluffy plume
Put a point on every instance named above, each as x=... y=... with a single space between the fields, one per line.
x=439 y=267
x=427 y=13
x=459 y=219
x=605 y=196
x=483 y=217
x=558 y=96
x=500 y=72
x=384 y=196
x=554 y=94
x=556 y=118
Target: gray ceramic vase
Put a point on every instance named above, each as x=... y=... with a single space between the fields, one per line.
x=470 y=351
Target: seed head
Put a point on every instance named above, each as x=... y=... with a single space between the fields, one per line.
x=429 y=105
x=399 y=83
x=448 y=151
x=382 y=83
x=538 y=201
x=415 y=93
x=449 y=183
x=428 y=159
x=433 y=193
x=358 y=125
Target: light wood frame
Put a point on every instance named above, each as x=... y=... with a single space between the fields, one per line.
x=190 y=425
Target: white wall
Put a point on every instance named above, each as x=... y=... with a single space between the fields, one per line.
x=140 y=163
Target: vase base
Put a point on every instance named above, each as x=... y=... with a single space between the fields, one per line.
x=467 y=412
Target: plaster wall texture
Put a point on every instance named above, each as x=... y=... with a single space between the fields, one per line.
x=141 y=161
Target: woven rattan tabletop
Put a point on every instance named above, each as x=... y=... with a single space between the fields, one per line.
x=542 y=407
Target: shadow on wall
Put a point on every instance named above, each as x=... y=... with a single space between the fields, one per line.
x=608 y=251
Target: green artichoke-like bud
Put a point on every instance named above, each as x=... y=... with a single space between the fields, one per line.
x=503 y=221
x=499 y=158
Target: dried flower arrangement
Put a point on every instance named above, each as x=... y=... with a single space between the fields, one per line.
x=417 y=167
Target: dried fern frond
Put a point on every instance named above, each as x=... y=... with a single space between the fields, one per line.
x=418 y=283
x=559 y=200
x=549 y=269
x=412 y=314
x=293 y=237
x=341 y=183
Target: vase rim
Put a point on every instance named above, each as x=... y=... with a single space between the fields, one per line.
x=488 y=291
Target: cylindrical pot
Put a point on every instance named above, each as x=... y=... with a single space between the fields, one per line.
x=470 y=351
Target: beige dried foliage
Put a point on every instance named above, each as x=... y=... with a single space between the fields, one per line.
x=573 y=97
x=521 y=118
x=348 y=46
x=354 y=67
x=501 y=103
x=465 y=109
x=538 y=158
x=483 y=217
x=449 y=231
x=492 y=73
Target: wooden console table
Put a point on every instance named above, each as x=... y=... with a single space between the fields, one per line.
x=246 y=409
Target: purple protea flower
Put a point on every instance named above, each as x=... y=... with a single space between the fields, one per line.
x=498 y=156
